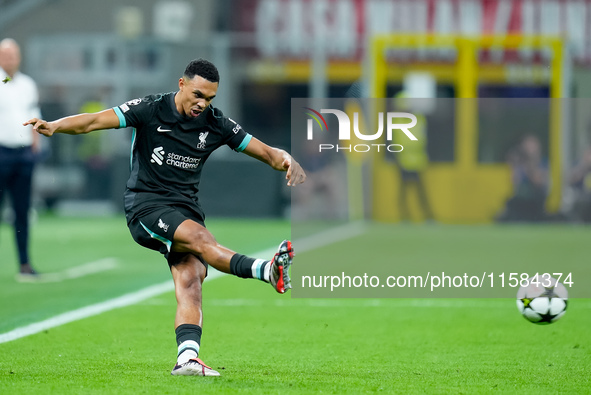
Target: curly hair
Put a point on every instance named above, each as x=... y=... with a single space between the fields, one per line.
x=202 y=68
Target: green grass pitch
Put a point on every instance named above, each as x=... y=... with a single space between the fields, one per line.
x=262 y=342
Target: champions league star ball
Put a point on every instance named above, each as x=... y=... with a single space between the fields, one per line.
x=543 y=301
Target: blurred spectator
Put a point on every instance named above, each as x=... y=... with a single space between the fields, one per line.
x=530 y=183
x=18 y=146
x=413 y=160
x=580 y=180
x=321 y=196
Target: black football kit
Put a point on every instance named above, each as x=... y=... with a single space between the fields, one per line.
x=168 y=151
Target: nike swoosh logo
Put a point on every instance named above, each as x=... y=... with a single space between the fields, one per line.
x=163 y=130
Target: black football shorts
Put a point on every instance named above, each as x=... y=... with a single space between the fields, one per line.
x=155 y=230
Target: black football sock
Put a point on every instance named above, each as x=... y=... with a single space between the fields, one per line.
x=245 y=267
x=188 y=339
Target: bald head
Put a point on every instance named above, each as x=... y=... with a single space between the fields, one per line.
x=10 y=56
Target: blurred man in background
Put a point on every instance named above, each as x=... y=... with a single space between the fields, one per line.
x=530 y=182
x=18 y=100
x=322 y=196
x=413 y=160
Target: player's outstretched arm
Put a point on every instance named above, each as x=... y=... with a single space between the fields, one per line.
x=76 y=124
x=278 y=159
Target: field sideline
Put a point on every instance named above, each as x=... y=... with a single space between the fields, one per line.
x=263 y=342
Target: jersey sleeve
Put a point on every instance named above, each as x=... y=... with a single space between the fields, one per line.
x=133 y=112
x=234 y=136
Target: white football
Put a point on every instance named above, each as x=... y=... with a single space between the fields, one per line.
x=543 y=301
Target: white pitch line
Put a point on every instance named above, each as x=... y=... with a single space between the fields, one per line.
x=94 y=309
x=85 y=312
x=80 y=271
x=306 y=244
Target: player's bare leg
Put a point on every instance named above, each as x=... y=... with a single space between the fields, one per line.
x=188 y=275
x=196 y=239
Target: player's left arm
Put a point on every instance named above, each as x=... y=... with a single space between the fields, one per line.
x=278 y=159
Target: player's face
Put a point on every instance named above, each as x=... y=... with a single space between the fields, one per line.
x=195 y=95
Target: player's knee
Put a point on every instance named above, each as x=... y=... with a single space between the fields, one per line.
x=193 y=286
x=201 y=240
x=188 y=269
x=200 y=272
x=190 y=286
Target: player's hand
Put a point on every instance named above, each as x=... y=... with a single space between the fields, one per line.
x=40 y=126
x=295 y=174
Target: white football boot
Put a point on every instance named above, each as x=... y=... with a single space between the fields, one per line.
x=193 y=367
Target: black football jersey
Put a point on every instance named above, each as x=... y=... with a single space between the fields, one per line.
x=169 y=150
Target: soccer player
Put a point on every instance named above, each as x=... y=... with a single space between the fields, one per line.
x=174 y=134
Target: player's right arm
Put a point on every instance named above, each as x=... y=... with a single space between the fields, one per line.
x=76 y=124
